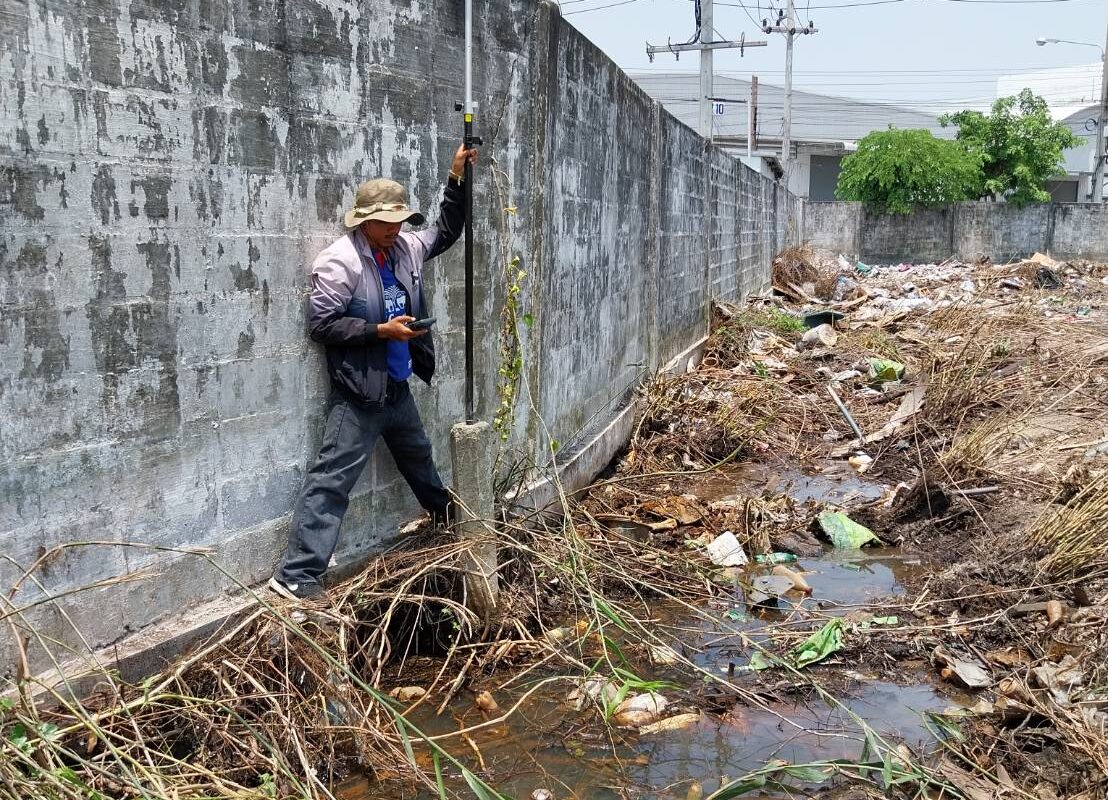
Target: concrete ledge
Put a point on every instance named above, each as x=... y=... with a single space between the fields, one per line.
x=588 y=461
x=141 y=654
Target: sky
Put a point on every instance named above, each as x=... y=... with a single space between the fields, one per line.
x=933 y=54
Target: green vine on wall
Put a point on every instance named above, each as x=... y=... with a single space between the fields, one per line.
x=510 y=367
x=511 y=355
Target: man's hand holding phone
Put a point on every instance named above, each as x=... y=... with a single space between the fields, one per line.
x=397 y=329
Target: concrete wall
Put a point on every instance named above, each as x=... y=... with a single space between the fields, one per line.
x=1000 y=230
x=963 y=230
x=167 y=173
x=834 y=225
x=1080 y=231
x=885 y=236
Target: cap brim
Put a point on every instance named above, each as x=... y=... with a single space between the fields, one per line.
x=353 y=220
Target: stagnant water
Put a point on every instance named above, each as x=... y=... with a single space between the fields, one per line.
x=548 y=745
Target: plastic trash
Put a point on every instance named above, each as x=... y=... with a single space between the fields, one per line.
x=902 y=304
x=821 y=644
x=885 y=369
x=820 y=336
x=861 y=463
x=775 y=558
x=970 y=673
x=642 y=709
x=824 y=316
x=845 y=532
x=408 y=694
x=486 y=702
x=674 y=723
x=844 y=288
x=863 y=269
x=766 y=590
x=824 y=642
x=725 y=551
x=797 y=579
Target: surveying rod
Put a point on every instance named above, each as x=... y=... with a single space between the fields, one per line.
x=469 y=109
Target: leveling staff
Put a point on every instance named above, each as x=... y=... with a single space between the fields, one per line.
x=368 y=310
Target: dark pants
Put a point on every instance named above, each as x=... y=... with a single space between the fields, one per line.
x=348 y=443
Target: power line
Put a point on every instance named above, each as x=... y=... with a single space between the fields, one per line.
x=863 y=3
x=1013 y=68
x=750 y=16
x=599 y=8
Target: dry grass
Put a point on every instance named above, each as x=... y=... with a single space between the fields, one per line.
x=273 y=707
x=1077 y=533
x=796 y=266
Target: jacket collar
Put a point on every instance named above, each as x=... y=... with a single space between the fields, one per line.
x=362 y=243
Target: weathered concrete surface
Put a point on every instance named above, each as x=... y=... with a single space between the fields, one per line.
x=472 y=448
x=999 y=230
x=885 y=237
x=167 y=173
x=834 y=226
x=963 y=230
x=1079 y=231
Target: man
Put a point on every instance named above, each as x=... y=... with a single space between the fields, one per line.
x=366 y=287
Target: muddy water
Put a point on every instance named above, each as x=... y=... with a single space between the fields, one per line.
x=549 y=745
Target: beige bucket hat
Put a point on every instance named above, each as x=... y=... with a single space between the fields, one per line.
x=381 y=199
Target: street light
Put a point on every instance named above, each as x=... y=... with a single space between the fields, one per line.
x=1102 y=115
x=1042 y=41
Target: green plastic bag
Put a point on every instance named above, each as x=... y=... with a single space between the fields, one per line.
x=845 y=532
x=818 y=646
x=821 y=644
x=885 y=369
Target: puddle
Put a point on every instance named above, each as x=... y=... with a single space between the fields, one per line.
x=549 y=745
x=543 y=746
x=848 y=578
x=838 y=484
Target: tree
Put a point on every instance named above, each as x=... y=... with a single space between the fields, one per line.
x=896 y=170
x=1020 y=146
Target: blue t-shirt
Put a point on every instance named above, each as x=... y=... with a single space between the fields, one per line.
x=396 y=304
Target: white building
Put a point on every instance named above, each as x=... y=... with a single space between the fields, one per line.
x=824 y=128
x=1073 y=94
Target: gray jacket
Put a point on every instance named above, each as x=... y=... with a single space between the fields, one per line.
x=347 y=302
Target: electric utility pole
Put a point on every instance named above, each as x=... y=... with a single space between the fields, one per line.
x=786 y=24
x=704 y=41
x=1101 y=128
x=752 y=118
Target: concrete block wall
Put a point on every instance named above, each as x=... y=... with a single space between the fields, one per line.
x=834 y=225
x=1079 y=231
x=167 y=174
x=885 y=237
x=594 y=272
x=963 y=230
x=999 y=230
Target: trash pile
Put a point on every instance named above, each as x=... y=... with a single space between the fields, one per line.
x=973 y=396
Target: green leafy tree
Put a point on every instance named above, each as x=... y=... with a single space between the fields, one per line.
x=897 y=170
x=1020 y=146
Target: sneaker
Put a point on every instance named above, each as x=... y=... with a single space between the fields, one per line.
x=295 y=591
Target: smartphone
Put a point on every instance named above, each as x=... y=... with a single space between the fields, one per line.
x=421 y=324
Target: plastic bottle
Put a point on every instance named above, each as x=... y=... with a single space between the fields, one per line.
x=775 y=558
